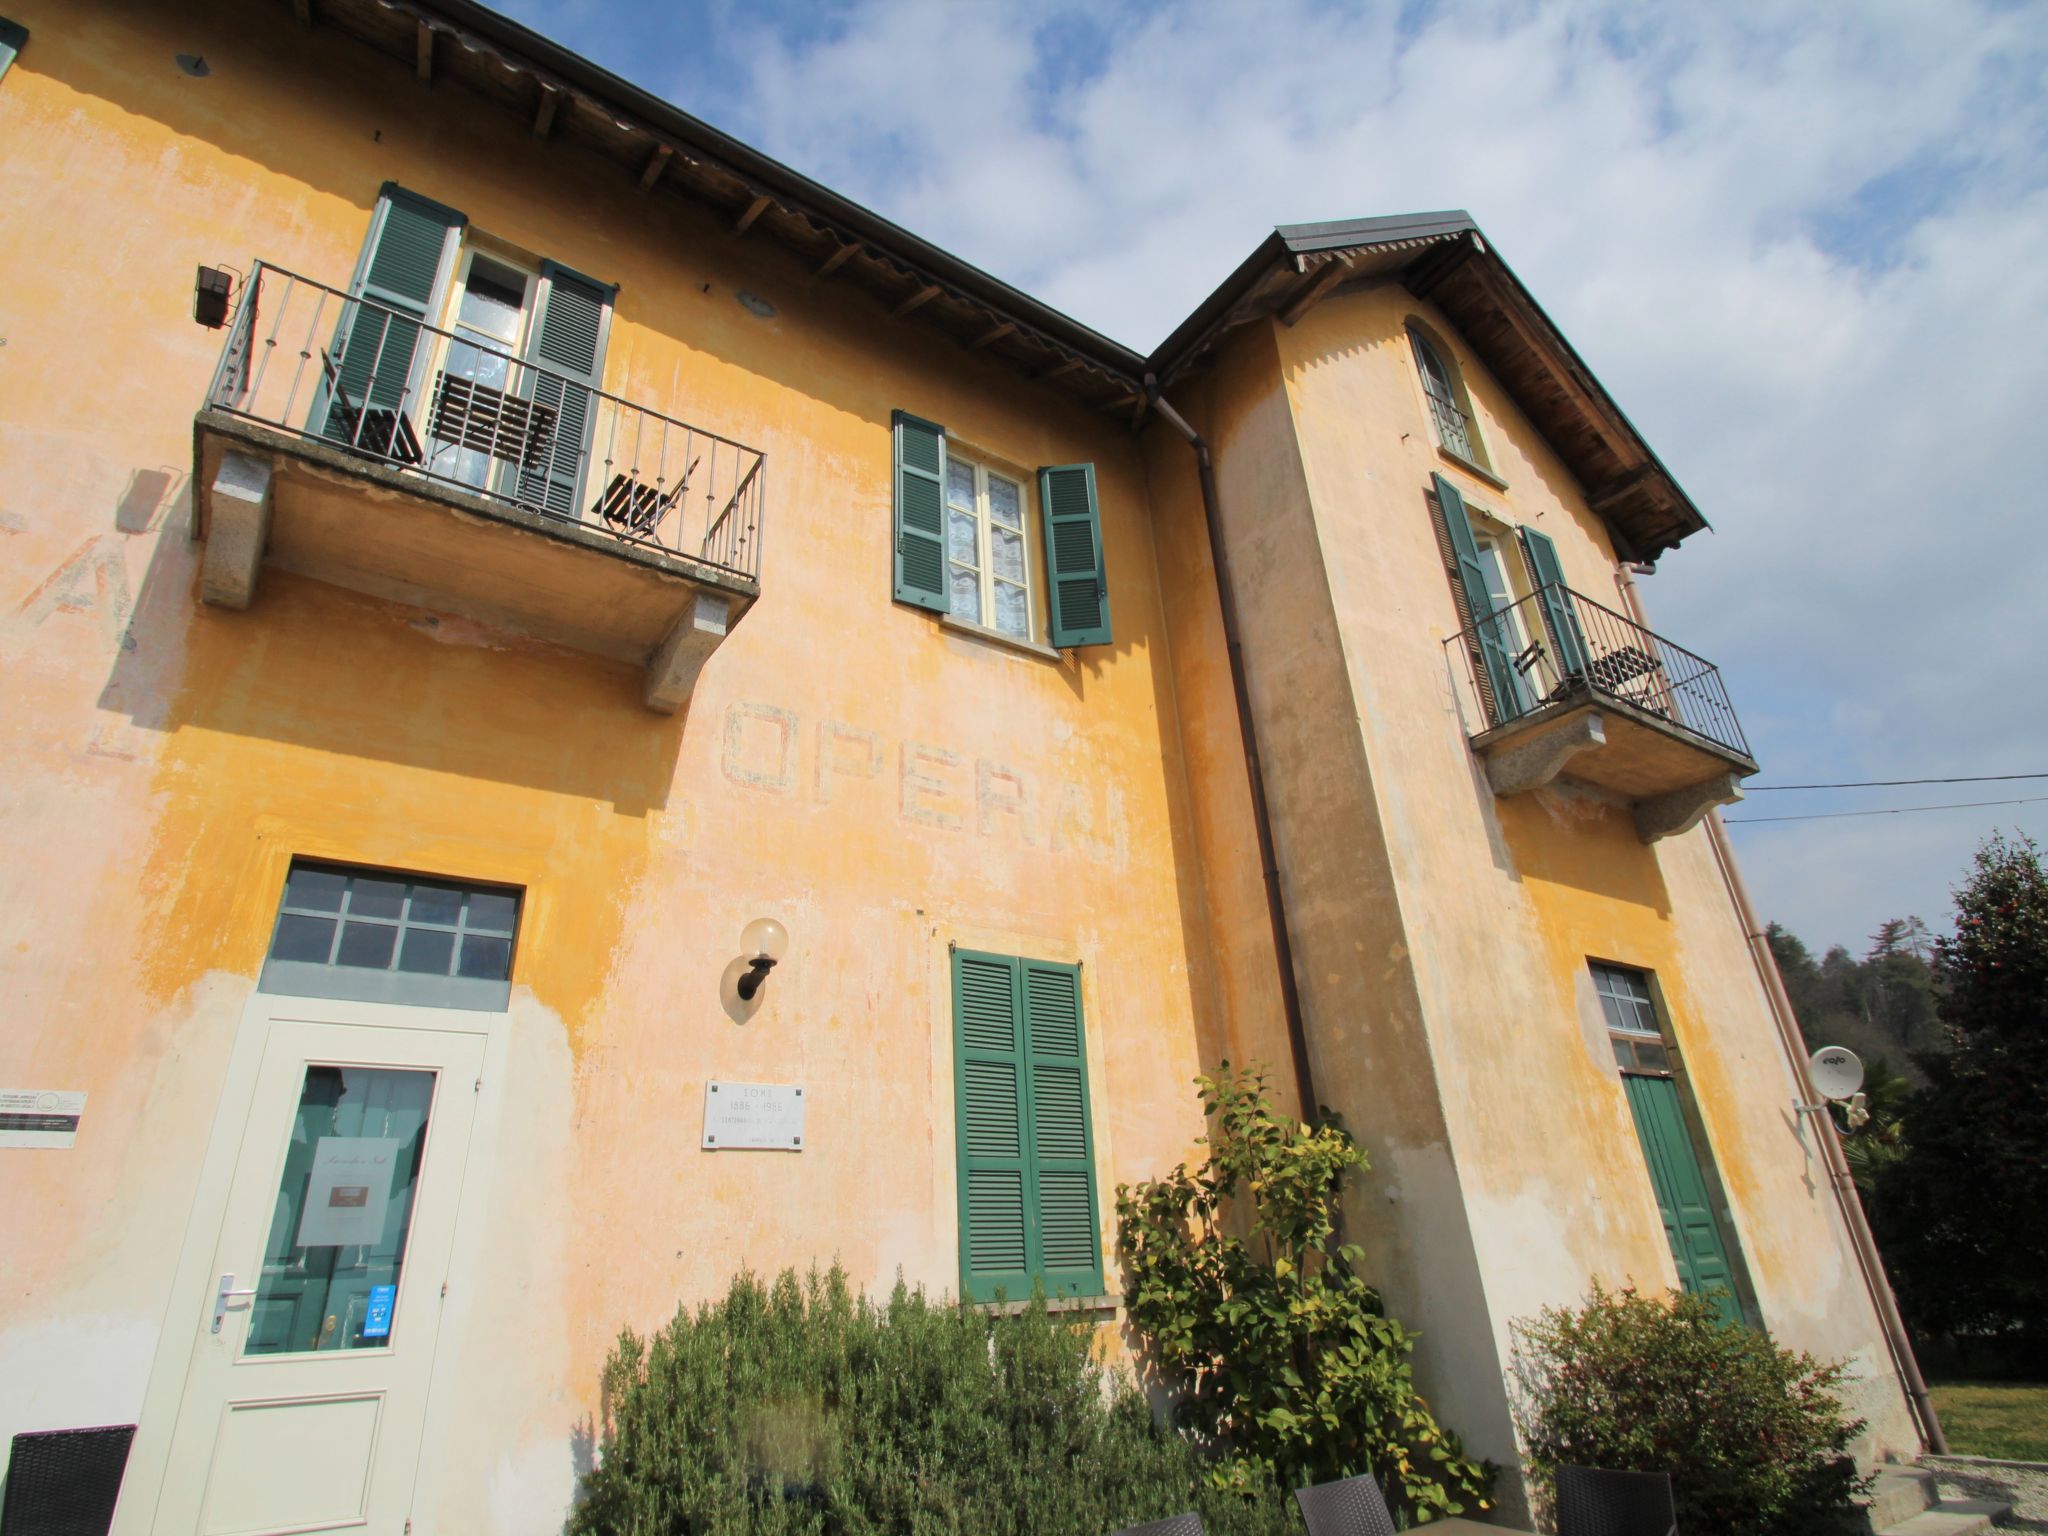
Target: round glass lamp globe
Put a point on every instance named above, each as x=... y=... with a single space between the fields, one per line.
x=764 y=939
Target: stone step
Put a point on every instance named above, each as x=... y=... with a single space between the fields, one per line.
x=1899 y=1494
x=1951 y=1517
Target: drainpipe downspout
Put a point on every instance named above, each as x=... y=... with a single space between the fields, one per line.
x=1276 y=903
x=1868 y=1260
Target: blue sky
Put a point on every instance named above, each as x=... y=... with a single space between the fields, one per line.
x=1803 y=246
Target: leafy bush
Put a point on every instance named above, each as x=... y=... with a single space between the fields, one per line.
x=1755 y=1437
x=1279 y=1354
x=801 y=1410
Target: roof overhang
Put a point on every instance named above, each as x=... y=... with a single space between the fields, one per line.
x=661 y=149
x=1443 y=257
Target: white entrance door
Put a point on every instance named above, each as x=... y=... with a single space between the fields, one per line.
x=306 y=1395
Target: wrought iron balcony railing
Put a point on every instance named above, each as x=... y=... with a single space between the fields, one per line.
x=346 y=371
x=1557 y=645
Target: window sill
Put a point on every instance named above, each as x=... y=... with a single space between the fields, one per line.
x=1470 y=468
x=1052 y=1304
x=982 y=632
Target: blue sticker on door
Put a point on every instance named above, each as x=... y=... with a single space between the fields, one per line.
x=377 y=1319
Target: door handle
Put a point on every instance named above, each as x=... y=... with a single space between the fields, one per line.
x=223 y=1296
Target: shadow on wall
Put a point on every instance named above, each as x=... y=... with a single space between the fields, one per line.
x=1568 y=836
x=313 y=667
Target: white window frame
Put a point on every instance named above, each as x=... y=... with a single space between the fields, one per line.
x=984 y=543
x=1427 y=347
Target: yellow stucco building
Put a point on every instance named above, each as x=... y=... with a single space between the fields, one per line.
x=552 y=537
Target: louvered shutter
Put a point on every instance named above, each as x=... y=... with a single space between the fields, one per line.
x=1488 y=632
x=1567 y=640
x=1078 y=590
x=13 y=37
x=920 y=513
x=403 y=271
x=1069 y=1256
x=1690 y=1227
x=992 y=1129
x=568 y=338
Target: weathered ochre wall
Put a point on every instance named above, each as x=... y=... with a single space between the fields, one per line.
x=1505 y=901
x=879 y=783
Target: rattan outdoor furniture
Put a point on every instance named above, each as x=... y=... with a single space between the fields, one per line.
x=1353 y=1506
x=1593 y=1501
x=1189 y=1524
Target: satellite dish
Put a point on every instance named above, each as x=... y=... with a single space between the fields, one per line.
x=1836 y=1072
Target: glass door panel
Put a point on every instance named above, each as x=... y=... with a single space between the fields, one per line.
x=336 y=1249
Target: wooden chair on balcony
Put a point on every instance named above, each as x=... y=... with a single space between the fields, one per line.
x=633 y=508
x=381 y=430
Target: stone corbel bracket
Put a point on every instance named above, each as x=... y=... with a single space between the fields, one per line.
x=1683 y=809
x=1541 y=756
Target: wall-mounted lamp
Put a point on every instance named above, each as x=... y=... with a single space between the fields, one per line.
x=762 y=944
x=210 y=297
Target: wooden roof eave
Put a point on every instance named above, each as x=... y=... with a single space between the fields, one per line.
x=555 y=107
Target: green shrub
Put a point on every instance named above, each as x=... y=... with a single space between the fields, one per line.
x=804 y=1409
x=1755 y=1437
x=1278 y=1352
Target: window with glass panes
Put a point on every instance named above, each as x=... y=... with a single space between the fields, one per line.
x=1631 y=1019
x=380 y=937
x=988 y=574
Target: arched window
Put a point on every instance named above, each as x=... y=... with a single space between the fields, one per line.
x=1448 y=403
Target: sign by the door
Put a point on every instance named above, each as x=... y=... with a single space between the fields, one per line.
x=377 y=1314
x=39 y=1117
x=762 y=1116
x=348 y=1191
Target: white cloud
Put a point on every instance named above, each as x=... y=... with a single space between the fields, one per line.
x=1850 y=387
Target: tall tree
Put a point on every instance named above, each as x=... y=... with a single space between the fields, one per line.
x=1963 y=1216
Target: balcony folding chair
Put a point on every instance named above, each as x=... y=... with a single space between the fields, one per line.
x=1353 y=1506
x=1592 y=1501
x=632 y=507
x=1189 y=1524
x=379 y=430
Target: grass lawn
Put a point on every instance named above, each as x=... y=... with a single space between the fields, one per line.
x=2007 y=1419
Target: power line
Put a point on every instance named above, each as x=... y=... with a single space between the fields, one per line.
x=1896 y=810
x=1981 y=778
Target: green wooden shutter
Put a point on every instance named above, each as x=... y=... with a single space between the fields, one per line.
x=1689 y=1225
x=1079 y=590
x=992 y=1127
x=401 y=270
x=1567 y=640
x=1069 y=1257
x=568 y=338
x=13 y=38
x=1029 y=1209
x=921 y=513
x=1493 y=647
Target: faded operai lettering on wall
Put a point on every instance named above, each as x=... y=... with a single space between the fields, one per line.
x=927 y=784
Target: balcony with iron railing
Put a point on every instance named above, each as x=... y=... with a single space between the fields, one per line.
x=1562 y=687
x=351 y=442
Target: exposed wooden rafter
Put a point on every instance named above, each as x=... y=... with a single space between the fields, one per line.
x=1333 y=272
x=656 y=164
x=837 y=259
x=1619 y=487
x=544 y=114
x=424 y=53
x=918 y=300
x=754 y=211
x=303 y=9
x=994 y=334
x=1060 y=369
